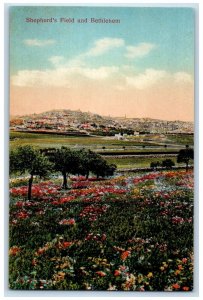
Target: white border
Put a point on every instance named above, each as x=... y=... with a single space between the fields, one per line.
x=4 y=159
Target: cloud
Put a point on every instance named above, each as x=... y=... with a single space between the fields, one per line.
x=38 y=43
x=104 y=45
x=138 y=51
x=39 y=78
x=61 y=76
x=146 y=79
x=182 y=77
x=122 y=78
x=98 y=73
x=56 y=60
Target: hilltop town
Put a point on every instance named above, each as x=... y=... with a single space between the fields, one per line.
x=70 y=122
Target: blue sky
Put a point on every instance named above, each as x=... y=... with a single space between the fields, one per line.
x=170 y=29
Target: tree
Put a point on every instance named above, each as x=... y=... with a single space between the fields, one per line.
x=155 y=164
x=110 y=169
x=66 y=161
x=168 y=163
x=27 y=159
x=93 y=162
x=184 y=156
x=85 y=159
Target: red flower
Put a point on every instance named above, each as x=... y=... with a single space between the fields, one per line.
x=67 y=244
x=14 y=250
x=125 y=255
x=101 y=273
x=176 y=286
x=22 y=215
x=67 y=222
x=117 y=272
x=186 y=288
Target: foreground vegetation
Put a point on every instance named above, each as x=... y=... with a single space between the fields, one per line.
x=124 y=233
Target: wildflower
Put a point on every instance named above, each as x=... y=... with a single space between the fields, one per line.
x=150 y=274
x=59 y=276
x=184 y=260
x=67 y=222
x=117 y=272
x=168 y=289
x=176 y=286
x=125 y=255
x=101 y=273
x=87 y=286
x=14 y=250
x=186 y=288
x=140 y=278
x=22 y=215
x=111 y=287
x=67 y=244
x=177 y=272
x=180 y=267
x=40 y=251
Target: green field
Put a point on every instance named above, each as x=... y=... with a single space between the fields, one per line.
x=137 y=162
x=54 y=140
x=187 y=139
x=106 y=144
x=97 y=143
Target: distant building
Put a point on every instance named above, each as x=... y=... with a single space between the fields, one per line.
x=119 y=136
x=136 y=133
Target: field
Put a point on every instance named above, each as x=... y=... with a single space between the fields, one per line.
x=137 y=162
x=53 y=140
x=105 y=145
x=123 y=233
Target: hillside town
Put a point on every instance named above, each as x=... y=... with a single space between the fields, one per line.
x=69 y=122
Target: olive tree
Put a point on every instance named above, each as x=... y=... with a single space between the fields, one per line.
x=185 y=155
x=27 y=159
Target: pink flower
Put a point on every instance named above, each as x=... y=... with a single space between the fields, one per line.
x=101 y=273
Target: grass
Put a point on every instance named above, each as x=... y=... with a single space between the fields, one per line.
x=134 y=162
x=181 y=139
x=97 y=143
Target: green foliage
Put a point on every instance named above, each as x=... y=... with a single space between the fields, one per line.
x=155 y=164
x=185 y=155
x=168 y=163
x=27 y=159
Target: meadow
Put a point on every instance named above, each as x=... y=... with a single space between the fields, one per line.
x=97 y=142
x=129 y=233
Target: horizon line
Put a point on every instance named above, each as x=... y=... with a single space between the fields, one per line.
x=94 y=113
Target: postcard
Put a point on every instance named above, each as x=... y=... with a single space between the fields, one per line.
x=101 y=148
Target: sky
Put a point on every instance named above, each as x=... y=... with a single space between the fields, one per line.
x=140 y=66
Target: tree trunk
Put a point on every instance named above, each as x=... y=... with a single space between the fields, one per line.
x=64 y=185
x=187 y=162
x=30 y=187
x=87 y=174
